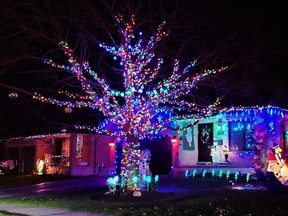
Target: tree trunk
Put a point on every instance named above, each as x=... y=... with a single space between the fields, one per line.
x=130 y=164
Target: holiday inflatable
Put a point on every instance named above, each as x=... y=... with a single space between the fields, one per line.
x=275 y=179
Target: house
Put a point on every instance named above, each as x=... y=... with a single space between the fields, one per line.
x=63 y=153
x=236 y=140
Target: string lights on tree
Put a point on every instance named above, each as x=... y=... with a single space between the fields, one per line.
x=142 y=91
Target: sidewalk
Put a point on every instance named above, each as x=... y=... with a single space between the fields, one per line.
x=39 y=211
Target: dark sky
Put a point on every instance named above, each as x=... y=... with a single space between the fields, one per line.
x=249 y=37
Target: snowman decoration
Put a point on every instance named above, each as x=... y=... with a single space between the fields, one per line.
x=144 y=168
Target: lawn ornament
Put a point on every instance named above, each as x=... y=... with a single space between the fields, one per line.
x=40 y=166
x=278 y=154
x=273 y=165
x=136 y=193
x=144 y=168
x=276 y=177
x=282 y=175
x=226 y=153
x=214 y=153
x=112 y=183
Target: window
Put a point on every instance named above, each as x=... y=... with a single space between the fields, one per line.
x=240 y=136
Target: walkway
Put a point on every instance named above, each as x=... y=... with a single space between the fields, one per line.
x=45 y=188
x=37 y=211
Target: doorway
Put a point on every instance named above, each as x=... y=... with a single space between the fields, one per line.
x=205 y=141
x=161 y=154
x=28 y=159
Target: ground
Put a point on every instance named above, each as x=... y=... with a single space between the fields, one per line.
x=172 y=196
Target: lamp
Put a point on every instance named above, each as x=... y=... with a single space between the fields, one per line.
x=174 y=140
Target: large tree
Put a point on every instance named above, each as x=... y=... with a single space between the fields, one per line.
x=32 y=30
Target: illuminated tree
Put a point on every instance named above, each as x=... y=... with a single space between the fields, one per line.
x=133 y=105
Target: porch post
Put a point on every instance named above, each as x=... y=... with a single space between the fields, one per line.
x=73 y=159
x=175 y=151
x=92 y=152
x=20 y=158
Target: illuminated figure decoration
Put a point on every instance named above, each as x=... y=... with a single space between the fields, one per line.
x=144 y=167
x=226 y=153
x=282 y=175
x=276 y=177
x=273 y=165
x=278 y=154
x=215 y=153
x=40 y=166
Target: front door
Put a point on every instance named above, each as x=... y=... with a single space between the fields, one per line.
x=205 y=141
x=28 y=159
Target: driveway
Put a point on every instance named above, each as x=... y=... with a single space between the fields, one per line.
x=55 y=186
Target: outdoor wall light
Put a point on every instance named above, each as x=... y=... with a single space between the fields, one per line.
x=174 y=140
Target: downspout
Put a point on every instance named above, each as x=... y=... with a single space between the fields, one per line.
x=20 y=160
x=94 y=162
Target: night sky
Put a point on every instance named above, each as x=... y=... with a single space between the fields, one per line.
x=249 y=37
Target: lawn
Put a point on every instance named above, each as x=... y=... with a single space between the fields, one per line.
x=173 y=196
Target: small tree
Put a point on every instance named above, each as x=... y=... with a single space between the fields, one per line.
x=142 y=93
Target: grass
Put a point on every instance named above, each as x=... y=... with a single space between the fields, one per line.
x=202 y=196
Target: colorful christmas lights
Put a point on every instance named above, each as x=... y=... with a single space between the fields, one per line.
x=37 y=136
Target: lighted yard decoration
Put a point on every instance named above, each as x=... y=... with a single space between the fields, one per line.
x=141 y=95
x=40 y=166
x=145 y=174
x=275 y=178
x=112 y=183
x=277 y=164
